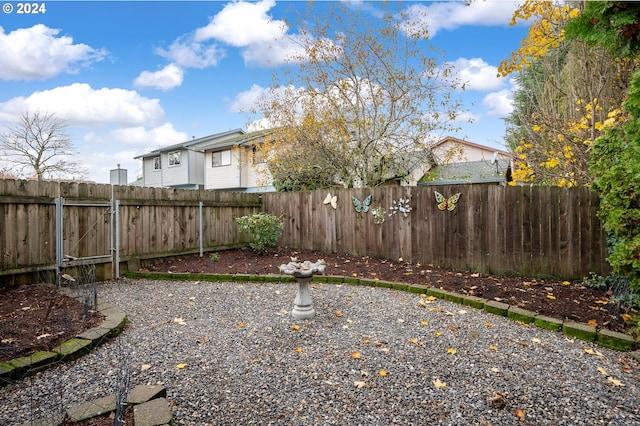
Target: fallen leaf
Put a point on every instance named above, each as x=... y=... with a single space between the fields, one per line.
x=431 y=298
x=488 y=324
x=495 y=369
x=602 y=302
x=423 y=322
x=536 y=340
x=179 y=321
x=592 y=322
x=439 y=384
x=26 y=308
x=400 y=320
x=626 y=317
x=298 y=349
x=241 y=325
x=181 y=366
x=493 y=348
x=356 y=355
x=42 y=336
x=339 y=313
x=366 y=341
x=451 y=351
x=462 y=312
x=295 y=327
x=413 y=340
x=615 y=382
x=145 y=367
x=551 y=296
x=359 y=385
x=453 y=328
x=520 y=414
x=437 y=333
x=385 y=350
x=602 y=371
x=383 y=373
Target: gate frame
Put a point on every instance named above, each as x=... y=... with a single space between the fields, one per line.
x=114 y=236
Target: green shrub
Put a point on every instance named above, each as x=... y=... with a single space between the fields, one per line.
x=263 y=229
x=615 y=167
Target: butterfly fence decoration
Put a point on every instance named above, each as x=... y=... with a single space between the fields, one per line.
x=445 y=203
x=331 y=199
x=361 y=206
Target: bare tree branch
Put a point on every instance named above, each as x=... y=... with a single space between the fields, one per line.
x=37 y=146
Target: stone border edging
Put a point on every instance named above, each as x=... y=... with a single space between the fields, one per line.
x=605 y=338
x=114 y=322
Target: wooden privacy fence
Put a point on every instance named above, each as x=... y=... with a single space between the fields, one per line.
x=53 y=225
x=528 y=231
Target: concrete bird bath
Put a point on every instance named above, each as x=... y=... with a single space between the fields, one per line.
x=302 y=272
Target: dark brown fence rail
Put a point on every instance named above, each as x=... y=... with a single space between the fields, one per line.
x=529 y=231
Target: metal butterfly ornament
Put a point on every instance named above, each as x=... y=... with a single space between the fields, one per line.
x=445 y=203
x=361 y=207
x=333 y=200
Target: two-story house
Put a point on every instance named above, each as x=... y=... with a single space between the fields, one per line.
x=180 y=165
x=236 y=164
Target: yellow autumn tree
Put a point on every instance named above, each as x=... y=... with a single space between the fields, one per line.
x=358 y=100
x=566 y=92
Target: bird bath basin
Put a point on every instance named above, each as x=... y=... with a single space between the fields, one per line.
x=302 y=272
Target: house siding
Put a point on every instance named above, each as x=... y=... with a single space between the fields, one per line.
x=223 y=177
x=151 y=177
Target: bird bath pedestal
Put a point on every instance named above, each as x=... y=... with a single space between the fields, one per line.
x=302 y=272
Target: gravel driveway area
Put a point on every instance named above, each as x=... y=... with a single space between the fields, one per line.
x=231 y=354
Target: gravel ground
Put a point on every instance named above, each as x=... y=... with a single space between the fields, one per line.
x=370 y=356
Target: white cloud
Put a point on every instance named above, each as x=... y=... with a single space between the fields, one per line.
x=84 y=106
x=263 y=41
x=243 y=23
x=476 y=74
x=451 y=15
x=167 y=78
x=499 y=104
x=145 y=139
x=38 y=53
x=276 y=52
x=247 y=100
x=188 y=53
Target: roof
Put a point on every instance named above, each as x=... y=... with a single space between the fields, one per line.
x=470 y=172
x=257 y=136
x=188 y=144
x=470 y=144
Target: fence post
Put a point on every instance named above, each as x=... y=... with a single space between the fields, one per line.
x=115 y=238
x=117 y=229
x=200 y=204
x=59 y=238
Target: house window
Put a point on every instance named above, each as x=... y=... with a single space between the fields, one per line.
x=221 y=158
x=174 y=158
x=157 y=163
x=258 y=156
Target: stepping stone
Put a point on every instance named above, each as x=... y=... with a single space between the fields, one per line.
x=142 y=393
x=153 y=413
x=90 y=409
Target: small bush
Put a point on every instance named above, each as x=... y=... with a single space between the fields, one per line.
x=263 y=229
x=215 y=256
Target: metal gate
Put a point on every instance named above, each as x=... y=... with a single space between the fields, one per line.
x=87 y=256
